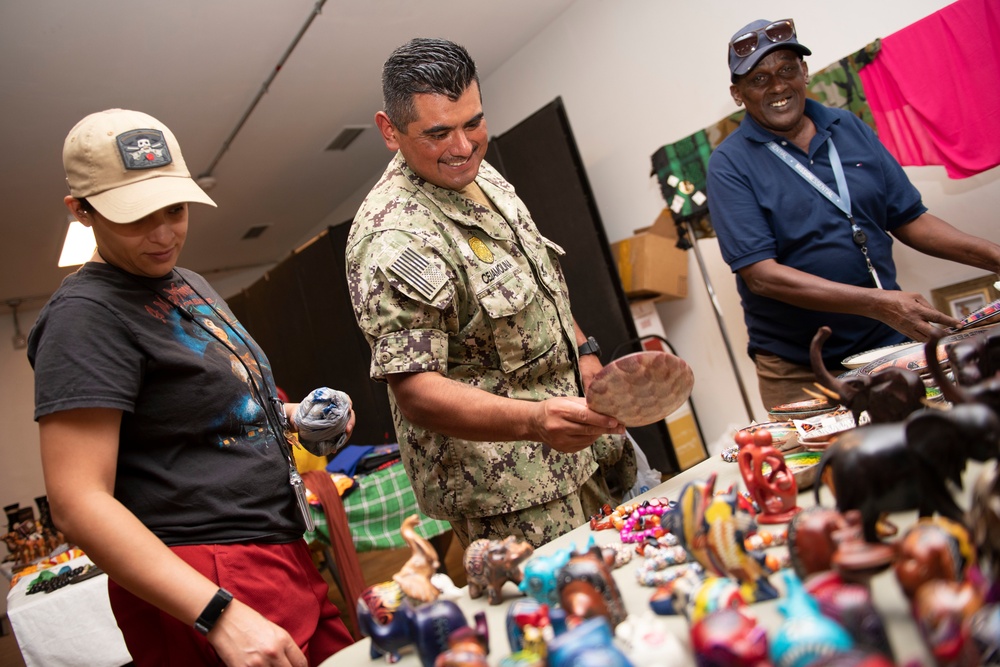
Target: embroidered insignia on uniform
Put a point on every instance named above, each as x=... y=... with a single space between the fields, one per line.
x=419 y=273
x=482 y=252
x=143 y=149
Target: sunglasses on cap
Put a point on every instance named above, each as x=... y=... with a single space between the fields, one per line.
x=779 y=31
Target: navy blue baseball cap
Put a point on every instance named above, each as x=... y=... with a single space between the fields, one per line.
x=755 y=40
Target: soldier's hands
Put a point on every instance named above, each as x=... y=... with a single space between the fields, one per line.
x=568 y=425
x=909 y=313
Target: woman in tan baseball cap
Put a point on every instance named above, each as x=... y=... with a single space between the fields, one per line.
x=162 y=436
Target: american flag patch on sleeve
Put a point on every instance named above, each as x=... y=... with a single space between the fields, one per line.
x=418 y=273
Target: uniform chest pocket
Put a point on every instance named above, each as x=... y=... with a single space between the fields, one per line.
x=525 y=325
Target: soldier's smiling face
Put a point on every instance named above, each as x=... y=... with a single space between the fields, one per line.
x=446 y=142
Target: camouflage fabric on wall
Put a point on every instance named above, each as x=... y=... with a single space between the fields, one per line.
x=681 y=167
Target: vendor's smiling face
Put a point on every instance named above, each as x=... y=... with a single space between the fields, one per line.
x=774 y=92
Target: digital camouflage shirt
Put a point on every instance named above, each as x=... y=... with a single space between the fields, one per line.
x=442 y=283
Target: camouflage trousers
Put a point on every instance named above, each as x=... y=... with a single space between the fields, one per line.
x=541 y=523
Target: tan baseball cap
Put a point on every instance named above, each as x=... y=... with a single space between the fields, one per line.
x=128 y=165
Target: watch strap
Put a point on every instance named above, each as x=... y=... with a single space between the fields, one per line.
x=213 y=610
x=590 y=347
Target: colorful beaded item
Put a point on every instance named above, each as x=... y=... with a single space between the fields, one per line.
x=655 y=573
x=764 y=539
x=729 y=454
x=643 y=523
x=615 y=518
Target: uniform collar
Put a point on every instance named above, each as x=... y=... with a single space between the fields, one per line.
x=460 y=208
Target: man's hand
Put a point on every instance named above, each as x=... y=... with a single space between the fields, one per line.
x=244 y=638
x=566 y=424
x=909 y=313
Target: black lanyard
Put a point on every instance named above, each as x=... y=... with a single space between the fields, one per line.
x=841 y=200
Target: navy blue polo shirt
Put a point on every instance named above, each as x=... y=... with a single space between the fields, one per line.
x=761 y=209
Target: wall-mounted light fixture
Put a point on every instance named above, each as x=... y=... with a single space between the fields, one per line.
x=20 y=340
x=79 y=245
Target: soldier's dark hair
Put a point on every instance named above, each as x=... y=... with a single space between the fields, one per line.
x=422 y=65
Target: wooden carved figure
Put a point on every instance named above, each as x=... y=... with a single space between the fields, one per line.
x=492 y=563
x=587 y=589
x=932 y=549
x=774 y=492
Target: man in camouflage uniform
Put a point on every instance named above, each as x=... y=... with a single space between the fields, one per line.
x=468 y=316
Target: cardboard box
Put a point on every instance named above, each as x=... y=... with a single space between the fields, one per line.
x=650 y=265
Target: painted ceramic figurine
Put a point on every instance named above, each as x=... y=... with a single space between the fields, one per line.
x=649 y=641
x=539 y=580
x=982 y=630
x=713 y=529
x=806 y=635
x=942 y=609
x=810 y=539
x=491 y=563
x=984 y=525
x=589 y=644
x=775 y=491
x=729 y=638
x=933 y=548
x=528 y=626
x=851 y=606
x=467 y=647
x=587 y=589
x=426 y=627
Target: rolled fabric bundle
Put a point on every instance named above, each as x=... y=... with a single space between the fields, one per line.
x=322 y=418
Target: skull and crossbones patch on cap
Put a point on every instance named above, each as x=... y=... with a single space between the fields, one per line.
x=143 y=149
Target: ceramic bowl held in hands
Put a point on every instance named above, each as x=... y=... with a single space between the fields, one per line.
x=641 y=388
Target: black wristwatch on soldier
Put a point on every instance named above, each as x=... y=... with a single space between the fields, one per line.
x=590 y=347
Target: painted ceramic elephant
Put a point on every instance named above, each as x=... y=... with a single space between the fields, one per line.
x=900 y=466
x=888 y=395
x=426 y=626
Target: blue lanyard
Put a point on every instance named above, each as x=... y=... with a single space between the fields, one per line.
x=840 y=199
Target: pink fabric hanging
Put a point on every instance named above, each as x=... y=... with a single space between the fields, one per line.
x=934 y=89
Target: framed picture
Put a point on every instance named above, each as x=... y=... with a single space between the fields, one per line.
x=962 y=299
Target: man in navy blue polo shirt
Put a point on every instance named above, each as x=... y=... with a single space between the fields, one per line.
x=803 y=199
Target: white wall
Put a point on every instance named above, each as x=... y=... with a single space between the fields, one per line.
x=638 y=74
x=635 y=75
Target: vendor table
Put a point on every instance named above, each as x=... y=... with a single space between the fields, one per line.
x=888 y=598
x=70 y=626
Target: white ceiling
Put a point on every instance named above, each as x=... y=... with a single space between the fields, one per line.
x=198 y=66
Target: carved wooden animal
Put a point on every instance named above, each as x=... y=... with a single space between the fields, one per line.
x=491 y=563
x=415 y=576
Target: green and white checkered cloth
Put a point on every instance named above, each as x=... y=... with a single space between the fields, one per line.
x=375 y=510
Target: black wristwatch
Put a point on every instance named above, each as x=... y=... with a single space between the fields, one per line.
x=213 y=610
x=590 y=347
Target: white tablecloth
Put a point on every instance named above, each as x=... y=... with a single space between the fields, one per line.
x=69 y=627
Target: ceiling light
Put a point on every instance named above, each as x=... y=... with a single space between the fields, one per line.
x=79 y=245
x=346 y=137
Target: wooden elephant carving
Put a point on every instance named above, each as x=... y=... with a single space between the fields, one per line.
x=901 y=466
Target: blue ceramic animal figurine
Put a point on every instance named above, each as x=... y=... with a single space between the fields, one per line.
x=540 y=572
x=806 y=635
x=589 y=644
x=425 y=627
